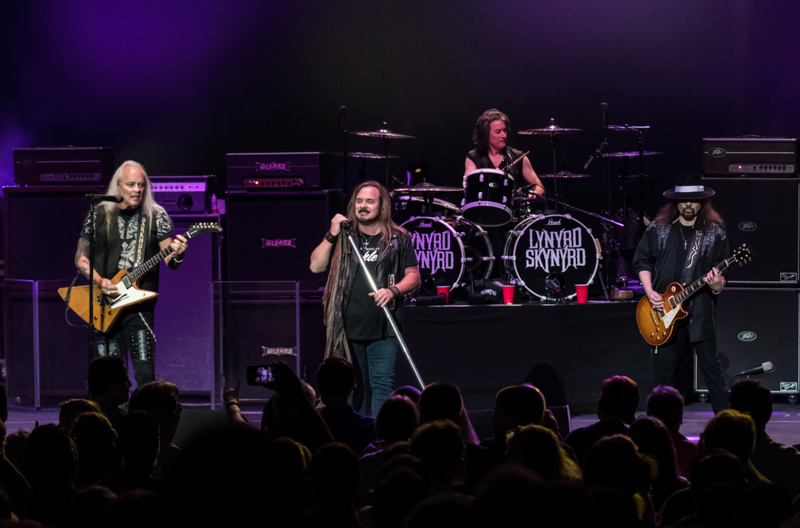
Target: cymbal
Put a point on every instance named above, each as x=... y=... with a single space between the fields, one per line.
x=426 y=187
x=564 y=174
x=383 y=133
x=364 y=155
x=629 y=154
x=627 y=128
x=552 y=129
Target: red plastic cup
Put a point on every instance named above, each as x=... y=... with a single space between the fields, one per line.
x=444 y=290
x=508 y=294
x=582 y=292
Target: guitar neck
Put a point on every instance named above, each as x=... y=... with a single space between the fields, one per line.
x=153 y=261
x=699 y=283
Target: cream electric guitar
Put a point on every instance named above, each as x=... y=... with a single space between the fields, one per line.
x=107 y=308
x=656 y=325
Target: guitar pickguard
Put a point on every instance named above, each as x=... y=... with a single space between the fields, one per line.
x=128 y=296
x=669 y=316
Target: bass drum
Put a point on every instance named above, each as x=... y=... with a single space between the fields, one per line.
x=554 y=244
x=451 y=250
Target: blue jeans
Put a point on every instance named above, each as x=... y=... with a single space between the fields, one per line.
x=374 y=365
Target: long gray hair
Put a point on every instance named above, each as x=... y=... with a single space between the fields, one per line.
x=149 y=204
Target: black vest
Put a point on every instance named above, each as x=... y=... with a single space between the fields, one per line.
x=108 y=247
x=482 y=161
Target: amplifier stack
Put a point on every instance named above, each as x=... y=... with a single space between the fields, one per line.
x=757 y=194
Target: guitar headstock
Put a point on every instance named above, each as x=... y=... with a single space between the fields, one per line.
x=742 y=255
x=201 y=228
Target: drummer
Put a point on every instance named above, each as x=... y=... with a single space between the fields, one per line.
x=490 y=137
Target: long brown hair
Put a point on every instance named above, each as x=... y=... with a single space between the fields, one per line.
x=385 y=222
x=480 y=136
x=707 y=213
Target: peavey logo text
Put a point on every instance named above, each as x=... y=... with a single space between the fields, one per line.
x=561 y=249
x=717 y=152
x=272 y=351
x=433 y=250
x=747 y=336
x=272 y=166
x=748 y=226
x=278 y=243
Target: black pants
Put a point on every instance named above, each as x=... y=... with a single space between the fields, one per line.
x=673 y=366
x=132 y=334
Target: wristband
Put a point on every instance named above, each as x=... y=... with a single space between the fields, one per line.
x=236 y=403
x=395 y=290
x=175 y=259
x=331 y=238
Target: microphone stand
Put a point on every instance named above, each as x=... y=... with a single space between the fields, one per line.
x=386 y=313
x=93 y=215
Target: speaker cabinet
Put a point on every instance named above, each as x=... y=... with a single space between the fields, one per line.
x=42 y=226
x=754 y=326
x=763 y=213
x=184 y=318
x=266 y=322
x=46 y=358
x=270 y=236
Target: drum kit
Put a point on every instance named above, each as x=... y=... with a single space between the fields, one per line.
x=456 y=241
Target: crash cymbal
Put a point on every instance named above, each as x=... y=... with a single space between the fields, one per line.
x=564 y=174
x=552 y=129
x=384 y=133
x=629 y=154
x=426 y=187
x=363 y=155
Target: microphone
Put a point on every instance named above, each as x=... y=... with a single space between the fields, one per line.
x=765 y=367
x=345 y=224
x=604 y=110
x=103 y=198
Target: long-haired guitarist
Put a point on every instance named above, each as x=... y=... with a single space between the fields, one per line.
x=683 y=243
x=127 y=234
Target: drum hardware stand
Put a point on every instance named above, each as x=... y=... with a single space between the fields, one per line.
x=345 y=150
x=373 y=285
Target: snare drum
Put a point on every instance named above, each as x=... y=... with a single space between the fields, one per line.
x=488 y=197
x=407 y=207
x=529 y=206
x=542 y=245
x=447 y=248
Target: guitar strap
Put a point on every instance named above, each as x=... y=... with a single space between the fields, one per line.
x=691 y=258
x=142 y=234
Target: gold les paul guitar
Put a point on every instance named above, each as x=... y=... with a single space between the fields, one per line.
x=656 y=325
x=107 y=308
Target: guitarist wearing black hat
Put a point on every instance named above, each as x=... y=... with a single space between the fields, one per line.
x=684 y=243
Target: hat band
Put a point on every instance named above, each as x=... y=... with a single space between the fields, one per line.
x=689 y=188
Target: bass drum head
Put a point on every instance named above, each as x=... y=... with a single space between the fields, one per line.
x=439 y=249
x=477 y=249
x=554 y=244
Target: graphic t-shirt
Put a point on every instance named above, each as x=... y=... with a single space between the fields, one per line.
x=364 y=320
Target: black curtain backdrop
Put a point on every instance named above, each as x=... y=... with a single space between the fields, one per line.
x=178 y=84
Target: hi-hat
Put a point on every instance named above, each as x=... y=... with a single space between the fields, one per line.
x=564 y=174
x=426 y=187
x=629 y=154
x=363 y=155
x=384 y=133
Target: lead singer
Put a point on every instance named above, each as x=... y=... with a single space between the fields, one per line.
x=356 y=327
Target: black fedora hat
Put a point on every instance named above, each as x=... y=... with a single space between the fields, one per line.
x=689 y=187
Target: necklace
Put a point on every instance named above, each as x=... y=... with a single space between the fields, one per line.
x=685 y=241
x=365 y=242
